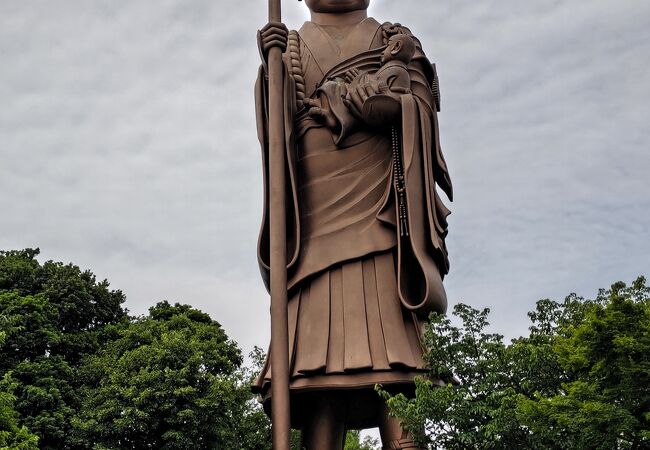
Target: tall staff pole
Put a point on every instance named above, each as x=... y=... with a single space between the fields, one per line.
x=279 y=311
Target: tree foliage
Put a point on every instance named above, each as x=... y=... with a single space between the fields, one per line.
x=579 y=380
x=13 y=436
x=52 y=315
x=167 y=381
x=353 y=441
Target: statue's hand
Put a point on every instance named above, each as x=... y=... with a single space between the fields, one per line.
x=352 y=74
x=319 y=110
x=273 y=34
x=360 y=90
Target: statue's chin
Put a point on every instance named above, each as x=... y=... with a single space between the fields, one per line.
x=336 y=6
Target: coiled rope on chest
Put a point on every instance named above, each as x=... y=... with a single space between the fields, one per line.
x=295 y=67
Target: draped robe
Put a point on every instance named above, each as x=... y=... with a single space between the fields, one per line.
x=360 y=284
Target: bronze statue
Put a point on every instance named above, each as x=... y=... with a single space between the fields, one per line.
x=365 y=226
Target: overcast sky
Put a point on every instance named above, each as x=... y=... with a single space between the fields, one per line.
x=128 y=146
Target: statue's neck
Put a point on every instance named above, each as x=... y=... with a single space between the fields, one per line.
x=339 y=19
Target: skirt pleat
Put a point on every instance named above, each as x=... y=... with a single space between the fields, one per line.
x=355 y=325
x=375 y=329
x=336 y=348
x=311 y=350
x=398 y=346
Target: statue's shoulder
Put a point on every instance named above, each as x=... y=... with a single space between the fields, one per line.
x=389 y=29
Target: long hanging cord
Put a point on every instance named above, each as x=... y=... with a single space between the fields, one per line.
x=398 y=181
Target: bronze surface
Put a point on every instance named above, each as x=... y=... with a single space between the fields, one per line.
x=365 y=227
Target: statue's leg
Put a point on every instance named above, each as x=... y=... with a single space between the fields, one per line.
x=324 y=429
x=393 y=436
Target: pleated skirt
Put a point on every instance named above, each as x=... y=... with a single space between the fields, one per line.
x=347 y=330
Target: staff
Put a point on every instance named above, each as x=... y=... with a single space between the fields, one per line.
x=278 y=231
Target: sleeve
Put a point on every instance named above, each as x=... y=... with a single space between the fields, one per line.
x=422 y=253
x=293 y=217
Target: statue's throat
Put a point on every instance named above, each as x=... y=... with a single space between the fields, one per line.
x=338 y=33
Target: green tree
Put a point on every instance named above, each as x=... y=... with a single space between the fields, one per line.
x=51 y=316
x=353 y=441
x=52 y=308
x=604 y=351
x=46 y=398
x=169 y=380
x=12 y=436
x=579 y=380
x=27 y=324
